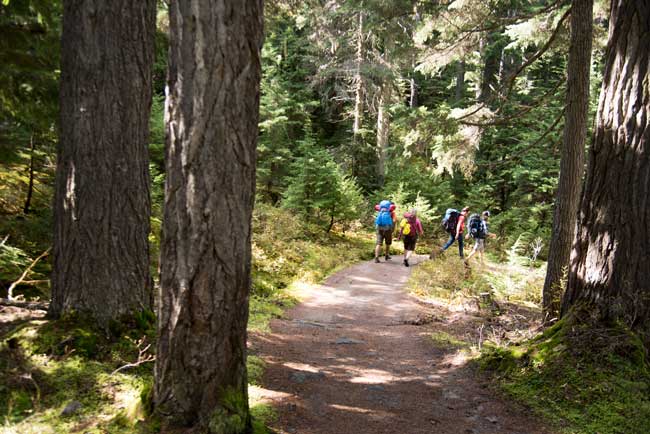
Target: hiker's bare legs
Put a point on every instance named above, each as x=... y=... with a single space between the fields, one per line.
x=377 y=250
x=387 y=251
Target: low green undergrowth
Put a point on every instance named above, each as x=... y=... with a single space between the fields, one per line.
x=287 y=252
x=584 y=379
x=50 y=365
x=446 y=278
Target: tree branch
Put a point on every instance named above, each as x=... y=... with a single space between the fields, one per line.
x=10 y=292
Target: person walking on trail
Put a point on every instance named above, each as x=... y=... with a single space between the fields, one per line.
x=385 y=224
x=479 y=230
x=410 y=228
x=454 y=224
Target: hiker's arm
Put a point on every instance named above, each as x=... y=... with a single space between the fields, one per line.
x=458 y=226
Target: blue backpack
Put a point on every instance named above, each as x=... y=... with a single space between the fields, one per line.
x=384 y=219
x=450 y=220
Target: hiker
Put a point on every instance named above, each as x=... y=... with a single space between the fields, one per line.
x=385 y=223
x=479 y=230
x=454 y=224
x=409 y=228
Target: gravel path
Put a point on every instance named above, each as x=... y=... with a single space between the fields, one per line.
x=348 y=359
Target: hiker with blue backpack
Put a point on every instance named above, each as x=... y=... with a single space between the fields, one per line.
x=479 y=230
x=409 y=228
x=385 y=224
x=454 y=224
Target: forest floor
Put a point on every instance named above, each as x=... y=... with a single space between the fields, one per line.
x=361 y=355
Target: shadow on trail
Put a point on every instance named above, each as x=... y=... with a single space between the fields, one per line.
x=345 y=362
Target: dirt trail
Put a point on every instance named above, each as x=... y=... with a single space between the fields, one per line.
x=347 y=360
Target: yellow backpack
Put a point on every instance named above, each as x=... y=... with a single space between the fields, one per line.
x=406 y=227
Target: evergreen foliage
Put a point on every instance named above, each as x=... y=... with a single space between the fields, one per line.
x=319 y=191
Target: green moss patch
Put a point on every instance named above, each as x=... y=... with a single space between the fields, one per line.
x=584 y=379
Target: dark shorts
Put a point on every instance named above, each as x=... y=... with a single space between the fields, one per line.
x=384 y=235
x=409 y=242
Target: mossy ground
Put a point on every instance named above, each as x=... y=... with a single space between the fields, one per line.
x=584 y=379
x=582 y=376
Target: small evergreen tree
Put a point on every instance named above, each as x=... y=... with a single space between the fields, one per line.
x=319 y=190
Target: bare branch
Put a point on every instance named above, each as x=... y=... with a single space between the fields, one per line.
x=10 y=292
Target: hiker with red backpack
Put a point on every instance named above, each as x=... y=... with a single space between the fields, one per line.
x=384 y=223
x=409 y=228
x=479 y=230
x=454 y=224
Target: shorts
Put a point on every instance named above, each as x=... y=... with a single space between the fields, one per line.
x=384 y=235
x=409 y=242
x=479 y=245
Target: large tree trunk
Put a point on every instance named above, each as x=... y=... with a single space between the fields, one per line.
x=572 y=160
x=212 y=114
x=611 y=255
x=101 y=204
x=358 y=81
x=383 y=131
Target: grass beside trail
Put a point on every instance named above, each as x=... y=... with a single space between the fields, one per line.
x=582 y=380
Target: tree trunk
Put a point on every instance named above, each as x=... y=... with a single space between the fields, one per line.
x=572 y=159
x=460 y=81
x=383 y=131
x=102 y=204
x=212 y=115
x=30 y=185
x=413 y=98
x=491 y=62
x=358 y=81
x=611 y=256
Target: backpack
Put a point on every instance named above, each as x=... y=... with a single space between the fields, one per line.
x=406 y=227
x=450 y=220
x=384 y=217
x=476 y=229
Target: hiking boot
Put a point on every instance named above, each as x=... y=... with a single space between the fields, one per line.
x=388 y=257
x=406 y=262
x=377 y=260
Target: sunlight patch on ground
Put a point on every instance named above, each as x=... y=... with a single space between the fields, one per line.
x=352 y=409
x=372 y=376
x=260 y=395
x=301 y=367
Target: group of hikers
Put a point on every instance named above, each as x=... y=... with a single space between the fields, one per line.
x=410 y=228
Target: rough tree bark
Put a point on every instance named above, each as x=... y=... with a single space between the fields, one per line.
x=212 y=114
x=572 y=158
x=611 y=255
x=101 y=203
